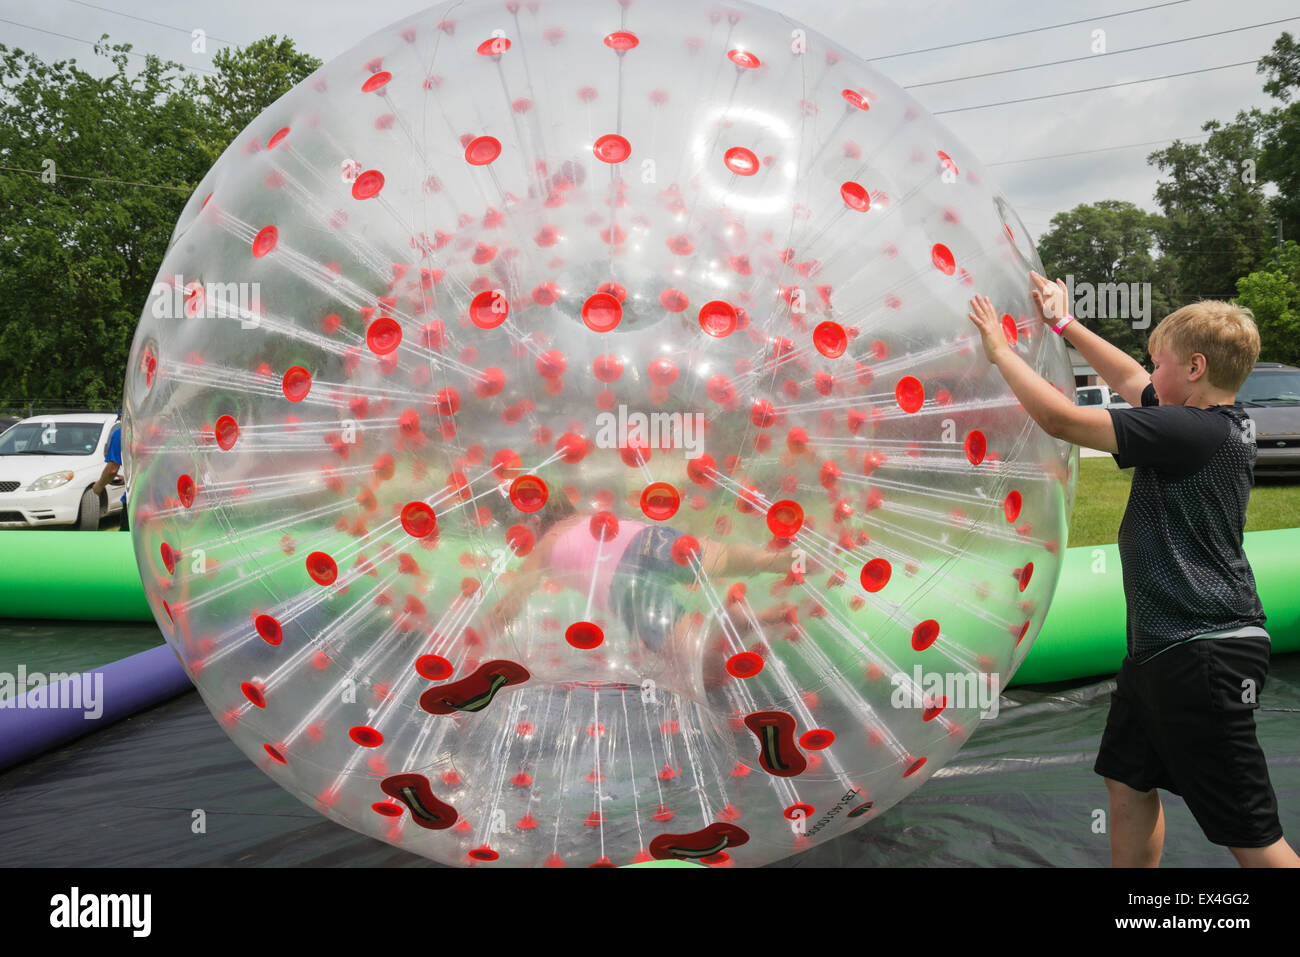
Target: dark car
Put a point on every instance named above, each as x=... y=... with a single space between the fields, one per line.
x=1271 y=398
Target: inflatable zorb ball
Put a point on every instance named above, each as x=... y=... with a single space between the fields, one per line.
x=558 y=438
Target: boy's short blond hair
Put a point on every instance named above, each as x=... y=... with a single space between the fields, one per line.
x=1223 y=332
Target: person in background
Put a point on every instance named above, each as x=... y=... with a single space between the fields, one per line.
x=112 y=466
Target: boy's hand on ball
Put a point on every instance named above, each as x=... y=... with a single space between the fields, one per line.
x=986 y=320
x=1049 y=298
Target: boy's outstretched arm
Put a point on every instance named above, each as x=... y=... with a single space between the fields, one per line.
x=1117 y=368
x=1054 y=413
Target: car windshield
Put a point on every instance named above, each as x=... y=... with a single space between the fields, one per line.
x=1282 y=386
x=51 y=438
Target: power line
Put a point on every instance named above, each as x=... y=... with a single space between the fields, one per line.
x=93 y=43
x=97 y=179
x=1020 y=33
x=156 y=23
x=1104 y=149
x=1092 y=89
x=1097 y=56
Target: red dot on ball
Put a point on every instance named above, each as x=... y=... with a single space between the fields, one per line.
x=746 y=664
x=584 y=635
x=612 y=148
x=528 y=493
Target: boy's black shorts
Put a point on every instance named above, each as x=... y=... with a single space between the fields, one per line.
x=1178 y=722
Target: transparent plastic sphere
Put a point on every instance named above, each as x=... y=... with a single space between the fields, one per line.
x=558 y=438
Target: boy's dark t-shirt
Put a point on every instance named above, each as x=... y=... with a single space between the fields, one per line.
x=1180 y=542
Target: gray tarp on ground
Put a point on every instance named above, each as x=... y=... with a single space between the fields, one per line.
x=1021 y=793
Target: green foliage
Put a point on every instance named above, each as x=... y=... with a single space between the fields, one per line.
x=1110 y=242
x=114 y=159
x=1218 y=223
x=1272 y=293
x=248 y=80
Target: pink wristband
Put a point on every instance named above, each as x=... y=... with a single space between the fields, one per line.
x=1059 y=327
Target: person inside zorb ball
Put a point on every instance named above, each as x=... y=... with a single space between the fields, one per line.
x=559 y=438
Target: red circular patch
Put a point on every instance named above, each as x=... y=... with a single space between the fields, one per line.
x=321 y=568
x=875 y=574
x=296 y=384
x=368 y=184
x=743 y=59
x=254 y=694
x=797 y=811
x=1011 y=505
x=483 y=853
x=482 y=150
x=660 y=501
x=186 y=490
x=830 y=339
x=489 y=309
x=366 y=736
x=269 y=629
x=528 y=493
x=910 y=394
x=663 y=372
x=418 y=520
x=914 y=767
x=855 y=196
x=376 y=82
x=607 y=368
x=684 y=548
x=612 y=148
x=621 y=40
x=433 y=667
x=602 y=312
x=384 y=335
x=520 y=540
x=741 y=161
x=226 y=432
x=584 y=635
x=817 y=739
x=717 y=319
x=855 y=99
x=976 y=445
x=924 y=634
x=265 y=241
x=785 y=518
x=943 y=259
x=603 y=526
x=1009 y=329
x=275 y=754
x=1026 y=573
x=746 y=664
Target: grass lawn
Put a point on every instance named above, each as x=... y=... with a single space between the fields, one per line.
x=1103 y=494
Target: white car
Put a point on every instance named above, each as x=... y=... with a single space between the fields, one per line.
x=48 y=465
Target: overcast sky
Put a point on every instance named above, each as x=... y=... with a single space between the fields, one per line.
x=1139 y=113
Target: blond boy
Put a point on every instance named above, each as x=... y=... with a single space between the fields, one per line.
x=1182 y=714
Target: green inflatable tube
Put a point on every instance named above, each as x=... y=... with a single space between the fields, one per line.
x=93 y=576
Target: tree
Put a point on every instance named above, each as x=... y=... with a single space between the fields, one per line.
x=1219 y=225
x=109 y=163
x=1279 y=161
x=248 y=80
x=81 y=246
x=1272 y=293
x=1105 y=243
